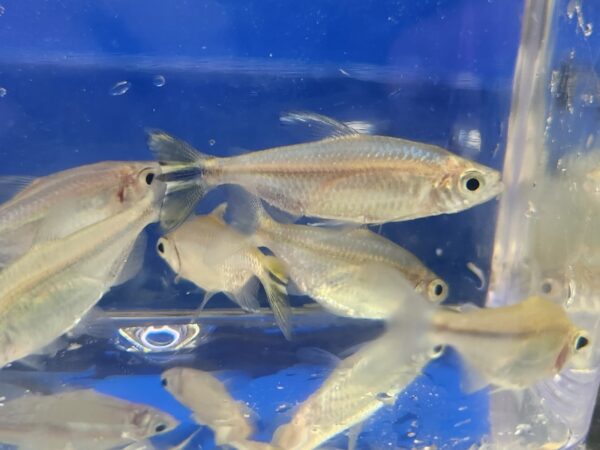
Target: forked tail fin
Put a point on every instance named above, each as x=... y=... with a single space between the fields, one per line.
x=274 y=279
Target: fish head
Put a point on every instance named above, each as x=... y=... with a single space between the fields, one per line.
x=467 y=184
x=137 y=180
x=173 y=380
x=166 y=247
x=576 y=349
x=151 y=422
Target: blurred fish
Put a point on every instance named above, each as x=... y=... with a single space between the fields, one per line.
x=81 y=419
x=45 y=292
x=217 y=258
x=348 y=176
x=358 y=387
x=510 y=347
x=351 y=272
x=212 y=405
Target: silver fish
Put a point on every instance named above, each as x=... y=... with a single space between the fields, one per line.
x=78 y=420
x=217 y=258
x=348 y=177
x=350 y=272
x=45 y=292
x=358 y=387
x=75 y=197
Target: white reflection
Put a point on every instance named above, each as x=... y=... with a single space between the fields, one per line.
x=155 y=339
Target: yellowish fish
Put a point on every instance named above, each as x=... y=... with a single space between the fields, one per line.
x=348 y=177
x=217 y=258
x=78 y=420
x=211 y=404
x=511 y=347
x=45 y=292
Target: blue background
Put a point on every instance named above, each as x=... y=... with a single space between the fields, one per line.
x=422 y=70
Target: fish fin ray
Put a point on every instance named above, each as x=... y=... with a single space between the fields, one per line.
x=317 y=356
x=168 y=150
x=472 y=379
x=320 y=126
x=247 y=297
x=274 y=281
x=178 y=205
x=11 y=186
x=207 y=296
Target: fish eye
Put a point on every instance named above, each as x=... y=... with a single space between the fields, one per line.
x=437 y=290
x=164 y=382
x=160 y=428
x=472 y=181
x=546 y=286
x=437 y=351
x=160 y=247
x=149 y=178
x=581 y=341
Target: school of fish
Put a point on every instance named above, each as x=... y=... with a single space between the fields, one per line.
x=70 y=237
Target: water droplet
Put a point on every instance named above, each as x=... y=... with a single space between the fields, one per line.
x=283 y=408
x=159 y=81
x=463 y=408
x=439 y=252
x=531 y=210
x=3 y=92
x=411 y=434
x=461 y=423
x=522 y=428
x=279 y=387
x=120 y=88
x=588 y=29
x=2 y=10
x=212 y=142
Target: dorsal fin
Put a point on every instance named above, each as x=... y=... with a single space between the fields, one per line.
x=320 y=126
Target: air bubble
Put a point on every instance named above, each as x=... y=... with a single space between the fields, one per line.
x=2 y=10
x=284 y=407
x=120 y=88
x=159 y=81
x=212 y=142
x=3 y=92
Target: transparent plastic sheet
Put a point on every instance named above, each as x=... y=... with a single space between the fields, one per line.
x=543 y=225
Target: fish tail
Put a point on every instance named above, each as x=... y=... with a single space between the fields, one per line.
x=274 y=278
x=185 y=170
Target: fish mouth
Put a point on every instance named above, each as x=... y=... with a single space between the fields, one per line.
x=175 y=261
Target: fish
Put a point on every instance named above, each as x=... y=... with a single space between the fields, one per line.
x=218 y=258
x=510 y=347
x=79 y=419
x=46 y=292
x=358 y=387
x=348 y=176
x=76 y=197
x=350 y=272
x=211 y=404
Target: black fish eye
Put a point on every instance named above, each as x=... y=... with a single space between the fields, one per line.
x=163 y=381
x=160 y=428
x=581 y=342
x=437 y=351
x=472 y=184
x=149 y=178
x=438 y=290
x=161 y=249
x=546 y=287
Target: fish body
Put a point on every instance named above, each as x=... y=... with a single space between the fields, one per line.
x=216 y=257
x=211 y=404
x=350 y=177
x=75 y=197
x=78 y=420
x=511 y=347
x=351 y=272
x=357 y=388
x=45 y=292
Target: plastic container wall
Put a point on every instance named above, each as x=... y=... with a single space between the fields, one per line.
x=546 y=237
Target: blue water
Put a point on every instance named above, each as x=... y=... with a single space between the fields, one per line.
x=84 y=79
